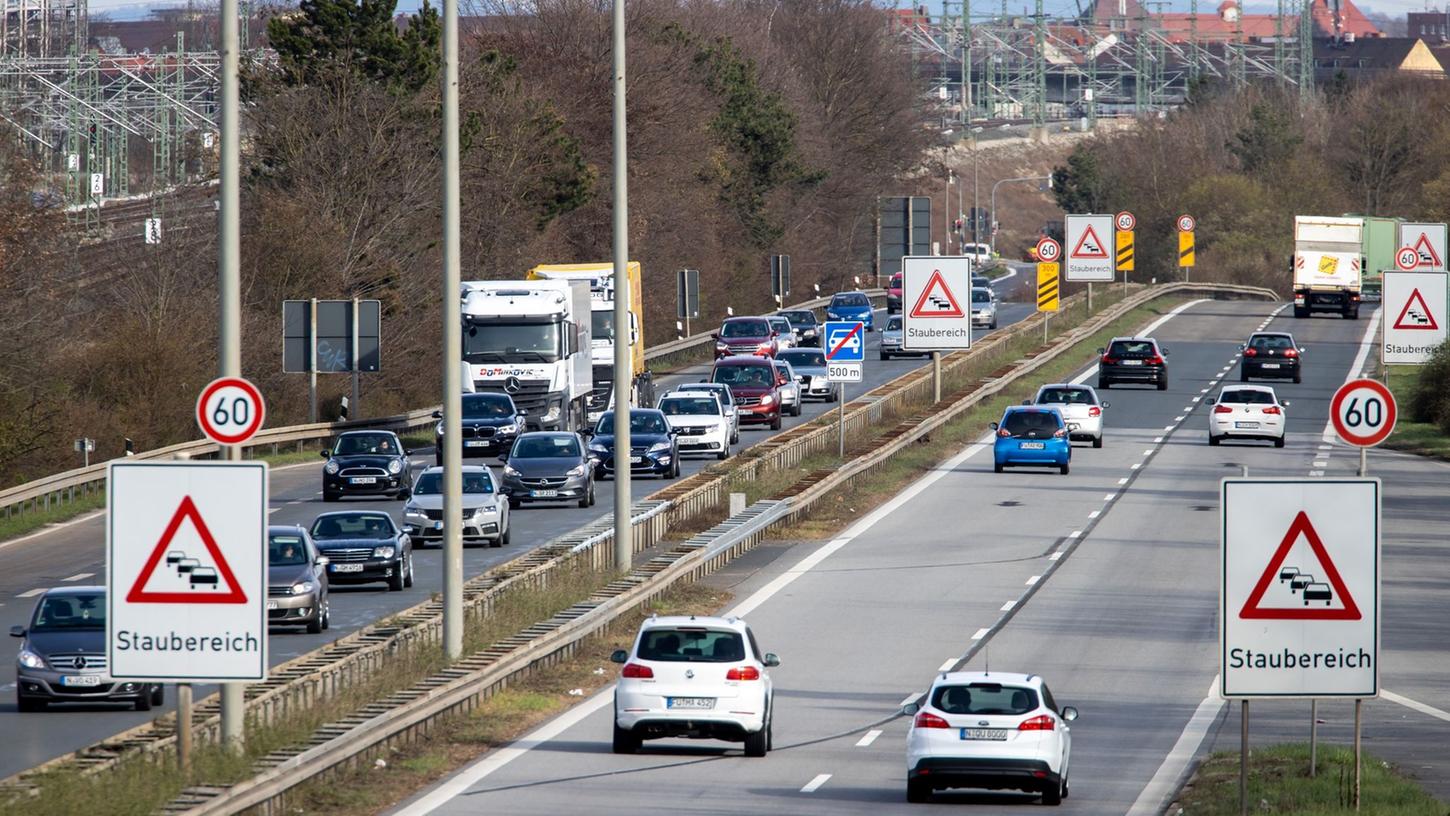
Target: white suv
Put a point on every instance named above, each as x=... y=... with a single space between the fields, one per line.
x=701 y=421
x=988 y=730
x=695 y=677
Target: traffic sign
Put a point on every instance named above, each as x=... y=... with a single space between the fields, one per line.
x=1088 y=258
x=1186 y=223
x=843 y=372
x=845 y=341
x=938 y=290
x=1407 y=259
x=1418 y=301
x=230 y=410
x=1048 y=250
x=1299 y=602
x=1186 y=251
x=1363 y=412
x=1124 y=221
x=186 y=571
x=1048 y=287
x=1428 y=241
x=1124 y=240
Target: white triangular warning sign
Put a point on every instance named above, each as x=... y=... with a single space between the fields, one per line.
x=1307 y=589
x=1089 y=246
x=1416 y=314
x=937 y=299
x=190 y=576
x=1426 y=251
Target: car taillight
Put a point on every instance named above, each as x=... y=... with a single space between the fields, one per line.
x=1059 y=433
x=1107 y=360
x=1003 y=432
x=1222 y=409
x=1042 y=722
x=637 y=671
x=1291 y=353
x=926 y=719
x=1155 y=360
x=743 y=673
x=1250 y=353
x=1095 y=411
x=1273 y=409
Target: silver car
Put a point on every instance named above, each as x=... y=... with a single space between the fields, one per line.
x=790 y=390
x=810 y=372
x=485 y=508
x=1080 y=408
x=727 y=399
x=984 y=309
x=781 y=324
x=891 y=340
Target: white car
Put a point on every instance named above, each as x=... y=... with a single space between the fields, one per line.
x=782 y=325
x=727 y=399
x=790 y=390
x=984 y=309
x=1080 y=408
x=696 y=677
x=981 y=254
x=988 y=730
x=485 y=508
x=700 y=420
x=1247 y=412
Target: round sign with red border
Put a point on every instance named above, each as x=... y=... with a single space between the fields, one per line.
x=230 y=410
x=1407 y=258
x=1048 y=250
x=1363 y=412
x=1186 y=223
x=1125 y=221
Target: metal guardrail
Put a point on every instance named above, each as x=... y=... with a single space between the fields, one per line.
x=705 y=338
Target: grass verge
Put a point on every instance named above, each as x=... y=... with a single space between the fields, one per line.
x=1279 y=782
x=1421 y=438
x=19 y=524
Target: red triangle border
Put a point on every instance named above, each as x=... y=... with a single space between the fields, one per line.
x=937 y=280
x=186 y=510
x=1300 y=526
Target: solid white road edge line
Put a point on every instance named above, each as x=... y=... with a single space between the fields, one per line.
x=1416 y=705
x=1329 y=436
x=951 y=661
x=1165 y=781
x=815 y=784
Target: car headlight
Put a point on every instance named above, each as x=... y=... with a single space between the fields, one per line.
x=508 y=470
x=410 y=510
x=485 y=510
x=579 y=470
x=721 y=347
x=507 y=429
x=303 y=587
x=395 y=466
x=553 y=413
x=767 y=400
x=596 y=447
x=659 y=447
x=330 y=467
x=385 y=551
x=30 y=660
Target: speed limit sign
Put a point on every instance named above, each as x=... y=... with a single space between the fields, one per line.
x=230 y=410
x=1125 y=221
x=1363 y=412
x=1186 y=223
x=1048 y=250
x=1407 y=258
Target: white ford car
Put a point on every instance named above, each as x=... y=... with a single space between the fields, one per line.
x=989 y=730
x=1247 y=412
x=1080 y=408
x=702 y=422
x=694 y=677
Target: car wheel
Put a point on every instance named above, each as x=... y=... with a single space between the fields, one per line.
x=143 y=703
x=26 y=704
x=1064 y=469
x=994 y=324
x=917 y=791
x=1213 y=440
x=1298 y=378
x=591 y=492
x=588 y=497
x=1300 y=312
x=998 y=467
x=158 y=695
x=1163 y=384
x=1243 y=376
x=329 y=497
x=314 y=626
x=395 y=583
x=1279 y=443
x=625 y=742
x=675 y=473
x=724 y=454
x=1053 y=795
x=735 y=438
x=775 y=423
x=1104 y=384
x=514 y=504
x=408 y=579
x=327 y=614
x=756 y=744
x=1097 y=441
x=508 y=535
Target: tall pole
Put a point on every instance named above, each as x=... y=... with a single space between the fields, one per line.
x=976 y=202
x=229 y=267
x=452 y=350
x=623 y=537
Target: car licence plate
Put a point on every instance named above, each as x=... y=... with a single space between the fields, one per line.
x=347 y=567
x=1248 y=426
x=1132 y=362
x=999 y=734
x=363 y=480
x=544 y=494
x=1032 y=445
x=273 y=605
x=635 y=460
x=690 y=702
x=475 y=443
x=81 y=680
x=1268 y=365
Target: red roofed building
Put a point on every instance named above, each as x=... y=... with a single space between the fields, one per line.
x=1228 y=24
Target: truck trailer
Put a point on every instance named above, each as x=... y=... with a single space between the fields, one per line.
x=1327 y=265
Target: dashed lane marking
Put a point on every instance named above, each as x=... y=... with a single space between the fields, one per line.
x=951 y=661
x=980 y=633
x=815 y=784
x=80 y=576
x=1030 y=581
x=32 y=593
x=1007 y=607
x=870 y=736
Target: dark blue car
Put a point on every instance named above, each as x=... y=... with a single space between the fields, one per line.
x=851 y=306
x=1031 y=435
x=652 y=446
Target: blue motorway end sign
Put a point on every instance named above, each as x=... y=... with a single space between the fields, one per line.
x=845 y=341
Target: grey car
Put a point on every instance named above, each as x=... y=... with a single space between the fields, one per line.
x=485 y=510
x=296 y=580
x=727 y=399
x=790 y=390
x=62 y=655
x=891 y=340
x=549 y=466
x=810 y=371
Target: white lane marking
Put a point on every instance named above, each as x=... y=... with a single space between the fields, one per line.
x=50 y=528
x=1165 y=780
x=1170 y=427
x=1110 y=497
x=1203 y=391
x=910 y=698
x=1074 y=534
x=980 y=633
x=813 y=785
x=1034 y=579
x=1007 y=607
x=869 y=737
x=1094 y=514
x=1328 y=436
x=1157 y=440
x=1316 y=473
x=1321 y=463
x=1123 y=481
x=951 y=661
x=1055 y=556
x=80 y=576
x=1136 y=466
x=32 y=593
x=1326 y=447
x=1178 y=419
x=1149 y=452
x=1416 y=705
x=1195 y=401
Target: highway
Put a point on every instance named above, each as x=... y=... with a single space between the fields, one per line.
x=75 y=553
x=1105 y=582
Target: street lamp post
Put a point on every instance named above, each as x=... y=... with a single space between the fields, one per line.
x=976 y=200
x=1047 y=179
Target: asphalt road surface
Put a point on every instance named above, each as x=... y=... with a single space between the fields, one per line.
x=1105 y=582
x=75 y=554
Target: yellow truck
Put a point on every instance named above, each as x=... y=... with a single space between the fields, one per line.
x=600 y=277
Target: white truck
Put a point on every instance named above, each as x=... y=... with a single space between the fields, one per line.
x=530 y=340
x=1328 y=264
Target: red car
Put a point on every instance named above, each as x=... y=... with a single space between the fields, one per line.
x=755 y=384
x=893 y=294
x=746 y=335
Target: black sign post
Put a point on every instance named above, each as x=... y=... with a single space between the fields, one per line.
x=687 y=296
x=780 y=278
x=332 y=337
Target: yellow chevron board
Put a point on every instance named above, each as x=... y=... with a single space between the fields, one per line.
x=1185 y=249
x=1047 y=286
x=1124 y=243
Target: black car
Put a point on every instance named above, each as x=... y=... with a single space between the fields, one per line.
x=365 y=463
x=653 y=449
x=62 y=655
x=806 y=325
x=1133 y=360
x=549 y=466
x=491 y=423
x=364 y=547
x=1271 y=354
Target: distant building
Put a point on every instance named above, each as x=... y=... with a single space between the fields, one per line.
x=1377 y=56
x=1433 y=26
x=1228 y=23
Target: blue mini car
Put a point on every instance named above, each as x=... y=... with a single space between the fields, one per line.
x=851 y=306
x=1031 y=435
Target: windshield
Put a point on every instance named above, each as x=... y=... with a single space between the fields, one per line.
x=1247 y=396
x=780 y=324
x=431 y=483
x=755 y=376
x=378 y=444
x=1065 y=396
x=286 y=551
x=60 y=612
x=853 y=299
x=639 y=423
x=745 y=328
x=712 y=388
x=800 y=318
x=1032 y=424
x=803 y=358
x=487 y=406
x=601 y=324
x=984 y=698
x=690 y=406
x=896 y=281
x=981 y=296
x=511 y=343
x=893 y=323
x=353 y=525
x=691 y=646
x=546 y=447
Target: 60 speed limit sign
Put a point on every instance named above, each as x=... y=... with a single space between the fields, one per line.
x=230 y=410
x=1363 y=412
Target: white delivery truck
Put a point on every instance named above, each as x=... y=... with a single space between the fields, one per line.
x=530 y=340
x=1328 y=264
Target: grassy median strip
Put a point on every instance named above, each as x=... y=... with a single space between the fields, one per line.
x=1279 y=782
x=1421 y=438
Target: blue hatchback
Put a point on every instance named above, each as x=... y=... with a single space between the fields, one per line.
x=851 y=306
x=1031 y=435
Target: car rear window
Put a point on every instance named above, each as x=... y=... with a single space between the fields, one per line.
x=1247 y=396
x=1275 y=342
x=1131 y=348
x=692 y=645
x=1032 y=424
x=1065 y=396
x=984 y=698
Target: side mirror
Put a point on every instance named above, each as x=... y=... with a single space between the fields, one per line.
x=676 y=431
x=586 y=432
x=17 y=631
x=619 y=656
x=1103 y=405
x=1102 y=351
x=322 y=561
x=523 y=412
x=1069 y=713
x=1027 y=402
x=1285 y=404
x=1209 y=401
x=325 y=454
x=1302 y=349
x=1243 y=346
x=437 y=414
x=992 y=425
x=771 y=660
x=1166 y=352
x=910 y=709
x=714 y=335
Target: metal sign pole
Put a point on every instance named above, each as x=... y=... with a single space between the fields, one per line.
x=312 y=360
x=936 y=376
x=623 y=537
x=452 y=349
x=1090 y=298
x=1358 y=710
x=841 y=420
x=183 y=725
x=355 y=410
x=1313 y=737
x=1244 y=760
